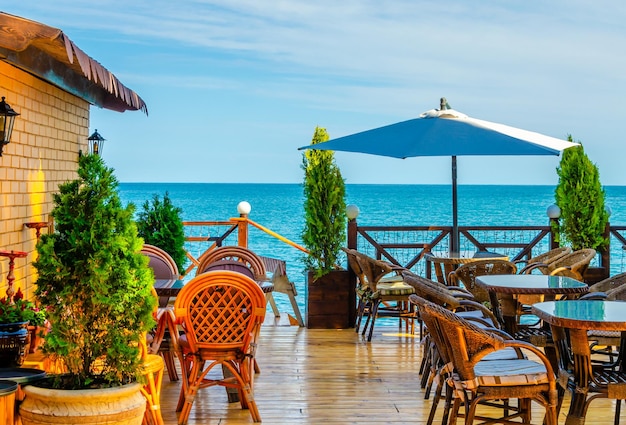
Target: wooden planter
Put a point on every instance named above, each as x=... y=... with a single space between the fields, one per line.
x=331 y=301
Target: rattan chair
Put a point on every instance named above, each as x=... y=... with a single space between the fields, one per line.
x=221 y=313
x=467 y=273
x=571 y=265
x=164 y=267
x=379 y=283
x=433 y=366
x=228 y=256
x=476 y=381
x=543 y=258
x=603 y=342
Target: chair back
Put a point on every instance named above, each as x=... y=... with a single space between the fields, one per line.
x=368 y=270
x=573 y=264
x=232 y=265
x=161 y=262
x=467 y=273
x=545 y=258
x=431 y=291
x=220 y=310
x=234 y=253
x=463 y=342
x=608 y=284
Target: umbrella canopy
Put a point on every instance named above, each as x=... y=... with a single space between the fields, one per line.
x=446 y=132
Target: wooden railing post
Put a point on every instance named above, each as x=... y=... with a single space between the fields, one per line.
x=352 y=212
x=242 y=230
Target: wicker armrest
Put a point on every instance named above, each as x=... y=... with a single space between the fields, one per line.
x=480 y=307
x=530 y=267
x=513 y=343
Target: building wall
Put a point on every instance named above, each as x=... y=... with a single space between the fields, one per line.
x=52 y=127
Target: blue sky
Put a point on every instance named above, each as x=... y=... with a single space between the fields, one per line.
x=234 y=87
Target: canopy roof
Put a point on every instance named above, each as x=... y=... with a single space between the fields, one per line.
x=49 y=54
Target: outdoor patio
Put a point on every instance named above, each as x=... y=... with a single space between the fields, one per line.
x=334 y=377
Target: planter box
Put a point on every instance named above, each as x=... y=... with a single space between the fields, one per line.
x=595 y=274
x=331 y=301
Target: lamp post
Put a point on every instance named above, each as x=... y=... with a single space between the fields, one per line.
x=553 y=212
x=352 y=212
x=96 y=143
x=7 y=117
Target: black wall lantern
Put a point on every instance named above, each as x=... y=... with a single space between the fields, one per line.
x=96 y=143
x=7 y=117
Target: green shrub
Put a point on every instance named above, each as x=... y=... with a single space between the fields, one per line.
x=580 y=197
x=94 y=282
x=159 y=223
x=324 y=207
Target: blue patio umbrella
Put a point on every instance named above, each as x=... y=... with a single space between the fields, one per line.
x=446 y=132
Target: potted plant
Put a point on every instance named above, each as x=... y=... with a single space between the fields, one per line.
x=581 y=199
x=97 y=289
x=16 y=316
x=159 y=223
x=331 y=297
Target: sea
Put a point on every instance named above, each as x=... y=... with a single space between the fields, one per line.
x=278 y=207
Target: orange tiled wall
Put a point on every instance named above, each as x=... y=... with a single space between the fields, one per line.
x=51 y=128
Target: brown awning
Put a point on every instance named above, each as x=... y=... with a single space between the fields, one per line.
x=49 y=54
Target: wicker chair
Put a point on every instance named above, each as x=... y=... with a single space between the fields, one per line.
x=467 y=273
x=159 y=341
x=602 y=342
x=544 y=258
x=227 y=257
x=571 y=265
x=377 y=287
x=433 y=366
x=476 y=381
x=221 y=313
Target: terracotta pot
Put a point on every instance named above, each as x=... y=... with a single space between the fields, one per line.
x=124 y=405
x=37 y=334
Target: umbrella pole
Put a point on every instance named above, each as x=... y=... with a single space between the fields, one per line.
x=454 y=240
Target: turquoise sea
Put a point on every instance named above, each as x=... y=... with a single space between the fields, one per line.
x=279 y=208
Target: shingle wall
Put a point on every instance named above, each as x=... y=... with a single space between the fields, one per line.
x=52 y=127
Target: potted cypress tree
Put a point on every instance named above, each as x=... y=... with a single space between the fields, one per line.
x=581 y=198
x=97 y=288
x=331 y=297
x=159 y=223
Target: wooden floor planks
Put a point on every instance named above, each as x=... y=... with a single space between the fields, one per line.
x=334 y=377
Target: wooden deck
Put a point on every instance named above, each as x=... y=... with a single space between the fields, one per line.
x=334 y=377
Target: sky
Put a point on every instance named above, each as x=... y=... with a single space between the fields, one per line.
x=234 y=87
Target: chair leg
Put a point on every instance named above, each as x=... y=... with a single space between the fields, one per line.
x=151 y=390
x=296 y=309
x=168 y=357
x=373 y=314
x=270 y=299
x=360 y=310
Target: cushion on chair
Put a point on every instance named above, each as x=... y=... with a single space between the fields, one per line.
x=604 y=334
x=508 y=353
x=394 y=288
x=508 y=372
x=391 y=279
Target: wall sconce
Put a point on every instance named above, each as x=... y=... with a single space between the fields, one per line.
x=96 y=143
x=7 y=117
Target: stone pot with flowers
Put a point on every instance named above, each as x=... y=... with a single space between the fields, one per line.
x=16 y=314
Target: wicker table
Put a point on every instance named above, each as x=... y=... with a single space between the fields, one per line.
x=570 y=320
x=504 y=292
x=444 y=263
